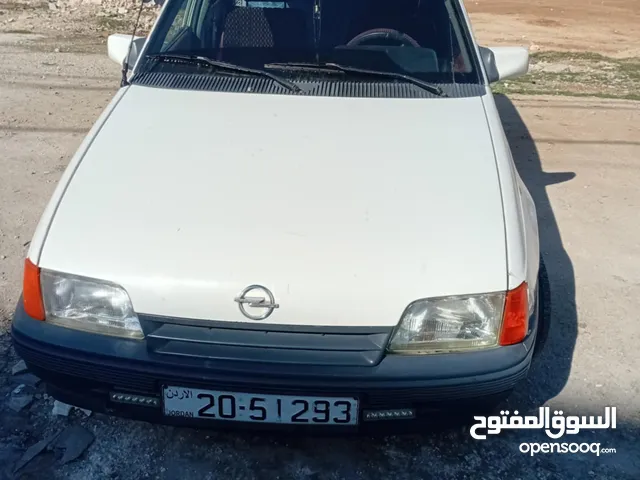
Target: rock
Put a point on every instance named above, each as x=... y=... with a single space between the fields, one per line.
x=18 y=403
x=18 y=390
x=74 y=440
x=32 y=451
x=56 y=50
x=123 y=10
x=53 y=6
x=2 y=257
x=64 y=409
x=28 y=379
x=61 y=408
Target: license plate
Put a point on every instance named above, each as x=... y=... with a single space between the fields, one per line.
x=249 y=407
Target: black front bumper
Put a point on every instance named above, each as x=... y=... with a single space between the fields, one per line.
x=83 y=369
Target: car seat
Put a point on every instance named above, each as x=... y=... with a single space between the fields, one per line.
x=255 y=32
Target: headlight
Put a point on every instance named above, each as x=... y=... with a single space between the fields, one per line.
x=437 y=325
x=87 y=304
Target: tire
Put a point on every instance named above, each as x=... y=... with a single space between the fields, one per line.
x=544 y=309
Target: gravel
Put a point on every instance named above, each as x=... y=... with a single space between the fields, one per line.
x=61 y=408
x=19 y=367
x=19 y=402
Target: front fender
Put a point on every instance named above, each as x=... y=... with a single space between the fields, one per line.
x=520 y=218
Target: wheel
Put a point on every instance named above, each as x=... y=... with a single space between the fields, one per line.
x=544 y=309
x=383 y=34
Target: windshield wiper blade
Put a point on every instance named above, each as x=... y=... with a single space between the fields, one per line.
x=226 y=66
x=336 y=67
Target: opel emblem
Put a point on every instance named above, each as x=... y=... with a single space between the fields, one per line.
x=259 y=298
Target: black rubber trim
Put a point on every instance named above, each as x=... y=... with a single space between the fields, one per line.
x=544 y=309
x=393 y=369
x=429 y=415
x=62 y=356
x=59 y=368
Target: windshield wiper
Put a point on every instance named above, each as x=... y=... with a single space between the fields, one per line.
x=335 y=67
x=231 y=67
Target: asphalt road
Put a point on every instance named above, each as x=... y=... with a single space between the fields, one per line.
x=580 y=159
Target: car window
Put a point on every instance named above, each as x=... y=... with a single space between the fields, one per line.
x=424 y=38
x=177 y=27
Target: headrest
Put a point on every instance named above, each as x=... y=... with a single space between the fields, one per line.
x=249 y=27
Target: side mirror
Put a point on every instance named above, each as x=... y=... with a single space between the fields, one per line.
x=118 y=46
x=504 y=62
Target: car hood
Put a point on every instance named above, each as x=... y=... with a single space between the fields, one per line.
x=347 y=209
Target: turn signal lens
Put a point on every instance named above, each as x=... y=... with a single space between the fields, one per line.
x=516 y=316
x=31 y=292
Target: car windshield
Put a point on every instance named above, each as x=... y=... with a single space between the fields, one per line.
x=424 y=39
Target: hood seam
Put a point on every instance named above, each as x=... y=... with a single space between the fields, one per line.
x=495 y=161
x=66 y=187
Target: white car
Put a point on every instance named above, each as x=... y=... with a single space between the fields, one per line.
x=293 y=213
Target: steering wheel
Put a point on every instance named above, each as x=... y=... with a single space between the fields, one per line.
x=383 y=34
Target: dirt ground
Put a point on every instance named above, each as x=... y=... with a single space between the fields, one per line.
x=579 y=158
x=610 y=27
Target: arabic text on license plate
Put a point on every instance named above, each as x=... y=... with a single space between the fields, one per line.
x=248 y=407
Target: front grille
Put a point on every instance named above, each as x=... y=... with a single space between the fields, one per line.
x=318 y=346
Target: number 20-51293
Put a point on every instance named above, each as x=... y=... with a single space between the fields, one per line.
x=266 y=408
